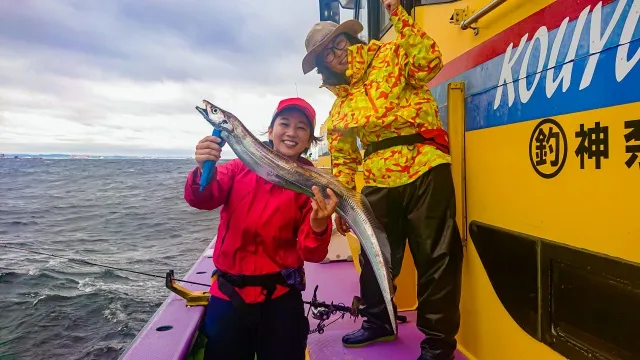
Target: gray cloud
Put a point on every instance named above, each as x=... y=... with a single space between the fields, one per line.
x=159 y=40
x=68 y=60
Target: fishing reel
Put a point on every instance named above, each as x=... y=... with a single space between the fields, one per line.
x=322 y=311
x=321 y=314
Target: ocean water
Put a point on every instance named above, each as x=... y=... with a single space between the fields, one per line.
x=123 y=213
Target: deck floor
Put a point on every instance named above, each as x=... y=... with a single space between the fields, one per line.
x=338 y=282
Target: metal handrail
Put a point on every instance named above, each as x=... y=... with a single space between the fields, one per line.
x=466 y=24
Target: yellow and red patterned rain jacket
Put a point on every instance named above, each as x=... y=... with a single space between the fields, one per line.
x=387 y=96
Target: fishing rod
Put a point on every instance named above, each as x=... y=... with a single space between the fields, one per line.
x=318 y=310
x=95 y=264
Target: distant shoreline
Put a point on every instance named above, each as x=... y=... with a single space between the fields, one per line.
x=91 y=157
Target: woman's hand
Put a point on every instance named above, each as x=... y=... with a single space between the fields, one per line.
x=207 y=149
x=322 y=211
x=390 y=5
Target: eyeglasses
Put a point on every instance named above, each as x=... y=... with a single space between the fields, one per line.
x=339 y=43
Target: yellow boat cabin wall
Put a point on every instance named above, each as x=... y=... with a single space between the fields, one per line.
x=541 y=103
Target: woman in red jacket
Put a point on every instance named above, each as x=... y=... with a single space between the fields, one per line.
x=266 y=233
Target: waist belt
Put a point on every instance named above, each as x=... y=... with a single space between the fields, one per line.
x=228 y=283
x=410 y=139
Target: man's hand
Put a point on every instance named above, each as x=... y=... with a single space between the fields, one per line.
x=342 y=226
x=322 y=211
x=390 y=5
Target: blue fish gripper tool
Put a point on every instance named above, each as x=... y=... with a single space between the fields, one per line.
x=207 y=168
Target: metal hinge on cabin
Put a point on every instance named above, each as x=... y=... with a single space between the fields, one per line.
x=465 y=19
x=459 y=15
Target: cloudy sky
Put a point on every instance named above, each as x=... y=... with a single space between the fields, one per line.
x=122 y=77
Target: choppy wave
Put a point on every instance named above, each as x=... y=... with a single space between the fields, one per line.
x=122 y=213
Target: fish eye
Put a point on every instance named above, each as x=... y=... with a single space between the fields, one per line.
x=215 y=110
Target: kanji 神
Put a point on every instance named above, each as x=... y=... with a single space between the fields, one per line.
x=543 y=144
x=633 y=135
x=594 y=142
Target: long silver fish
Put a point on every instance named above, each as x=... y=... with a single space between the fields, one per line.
x=279 y=170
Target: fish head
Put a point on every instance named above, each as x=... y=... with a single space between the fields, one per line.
x=217 y=117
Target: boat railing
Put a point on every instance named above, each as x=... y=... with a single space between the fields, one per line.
x=467 y=23
x=171 y=331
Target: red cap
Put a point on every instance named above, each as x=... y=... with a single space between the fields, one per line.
x=300 y=104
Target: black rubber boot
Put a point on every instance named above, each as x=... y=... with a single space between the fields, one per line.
x=366 y=336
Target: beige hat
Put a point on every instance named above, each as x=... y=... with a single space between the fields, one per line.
x=320 y=34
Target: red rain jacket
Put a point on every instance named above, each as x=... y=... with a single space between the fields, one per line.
x=263 y=229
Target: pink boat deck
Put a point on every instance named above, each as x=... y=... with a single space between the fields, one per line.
x=169 y=333
x=338 y=282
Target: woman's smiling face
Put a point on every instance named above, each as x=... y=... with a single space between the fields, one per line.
x=290 y=133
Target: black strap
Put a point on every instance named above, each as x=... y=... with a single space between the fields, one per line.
x=230 y=292
x=228 y=283
x=241 y=281
x=410 y=139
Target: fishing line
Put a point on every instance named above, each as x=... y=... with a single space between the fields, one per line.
x=95 y=264
x=326 y=310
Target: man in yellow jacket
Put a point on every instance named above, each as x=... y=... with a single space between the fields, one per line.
x=383 y=99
